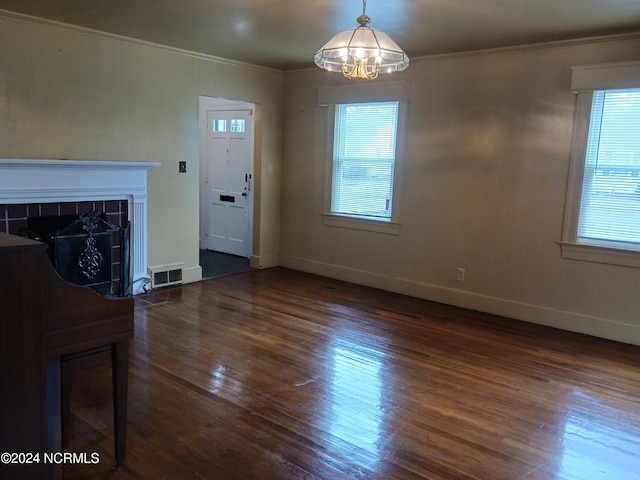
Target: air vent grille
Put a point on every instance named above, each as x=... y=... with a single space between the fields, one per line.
x=166 y=275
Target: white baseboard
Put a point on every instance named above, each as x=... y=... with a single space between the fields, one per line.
x=541 y=315
x=264 y=261
x=192 y=274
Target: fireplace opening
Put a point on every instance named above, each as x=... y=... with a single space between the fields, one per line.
x=44 y=229
x=86 y=250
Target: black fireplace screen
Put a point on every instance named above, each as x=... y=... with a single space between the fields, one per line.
x=90 y=251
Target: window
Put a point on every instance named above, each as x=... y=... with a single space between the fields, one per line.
x=602 y=221
x=220 y=126
x=364 y=159
x=610 y=204
x=365 y=122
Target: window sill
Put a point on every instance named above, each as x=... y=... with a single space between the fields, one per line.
x=361 y=223
x=600 y=254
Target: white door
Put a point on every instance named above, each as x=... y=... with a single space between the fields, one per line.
x=228 y=182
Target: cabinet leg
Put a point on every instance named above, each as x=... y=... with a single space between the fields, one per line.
x=120 y=369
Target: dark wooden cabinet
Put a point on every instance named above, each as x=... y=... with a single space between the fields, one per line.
x=22 y=350
x=42 y=319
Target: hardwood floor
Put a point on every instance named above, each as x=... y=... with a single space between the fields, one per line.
x=276 y=374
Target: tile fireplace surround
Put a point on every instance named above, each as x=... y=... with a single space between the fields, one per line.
x=31 y=182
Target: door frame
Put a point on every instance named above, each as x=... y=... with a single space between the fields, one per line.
x=207 y=104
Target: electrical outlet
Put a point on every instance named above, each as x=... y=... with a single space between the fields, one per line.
x=460 y=274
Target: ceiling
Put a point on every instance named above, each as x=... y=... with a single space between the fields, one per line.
x=284 y=34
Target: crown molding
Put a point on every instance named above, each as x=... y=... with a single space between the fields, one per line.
x=514 y=48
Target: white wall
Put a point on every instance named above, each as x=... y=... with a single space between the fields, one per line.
x=66 y=93
x=487 y=150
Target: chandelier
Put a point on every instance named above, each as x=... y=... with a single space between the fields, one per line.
x=361 y=52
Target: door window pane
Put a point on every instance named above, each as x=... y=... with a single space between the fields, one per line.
x=219 y=125
x=237 y=125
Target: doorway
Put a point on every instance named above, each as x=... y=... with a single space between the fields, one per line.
x=226 y=184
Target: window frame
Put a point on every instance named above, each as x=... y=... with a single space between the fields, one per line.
x=329 y=97
x=348 y=154
x=585 y=81
x=359 y=222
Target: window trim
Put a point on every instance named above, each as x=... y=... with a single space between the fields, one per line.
x=370 y=224
x=609 y=255
x=329 y=97
x=585 y=80
x=357 y=222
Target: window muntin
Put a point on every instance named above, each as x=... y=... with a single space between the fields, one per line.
x=365 y=139
x=610 y=202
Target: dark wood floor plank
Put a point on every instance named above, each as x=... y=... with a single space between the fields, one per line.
x=277 y=374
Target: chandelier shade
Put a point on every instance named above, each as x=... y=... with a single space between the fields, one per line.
x=361 y=52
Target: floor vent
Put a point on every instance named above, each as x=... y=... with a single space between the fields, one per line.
x=166 y=275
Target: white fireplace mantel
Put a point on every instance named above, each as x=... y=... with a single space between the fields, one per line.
x=50 y=181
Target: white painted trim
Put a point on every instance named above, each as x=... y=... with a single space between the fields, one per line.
x=360 y=223
x=389 y=226
x=541 y=315
x=264 y=261
x=605 y=76
x=192 y=274
x=607 y=254
x=576 y=166
x=24 y=181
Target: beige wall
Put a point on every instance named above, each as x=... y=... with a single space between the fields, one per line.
x=69 y=94
x=486 y=160
x=487 y=147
